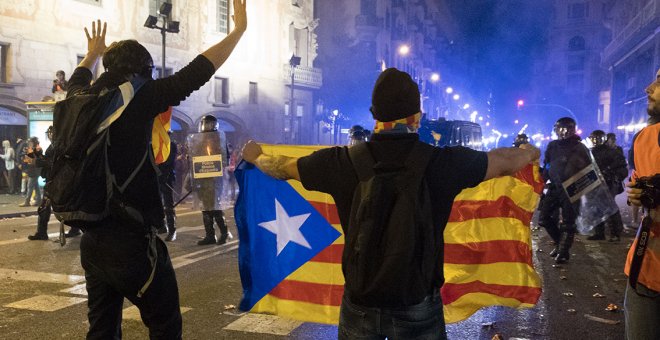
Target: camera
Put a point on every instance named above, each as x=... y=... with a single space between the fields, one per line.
x=650 y=186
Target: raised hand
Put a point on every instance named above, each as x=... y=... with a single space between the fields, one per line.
x=240 y=16
x=96 y=42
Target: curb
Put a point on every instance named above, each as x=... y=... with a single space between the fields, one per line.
x=18 y=214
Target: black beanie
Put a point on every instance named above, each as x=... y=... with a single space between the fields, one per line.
x=395 y=96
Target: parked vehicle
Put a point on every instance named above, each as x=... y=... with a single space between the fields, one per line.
x=451 y=133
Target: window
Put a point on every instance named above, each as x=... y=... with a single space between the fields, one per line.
x=155 y=72
x=575 y=83
x=368 y=7
x=298 y=41
x=93 y=2
x=4 y=52
x=154 y=6
x=300 y=109
x=576 y=43
x=222 y=16
x=253 y=94
x=575 y=62
x=578 y=10
x=221 y=90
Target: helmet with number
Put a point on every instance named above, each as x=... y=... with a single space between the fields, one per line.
x=520 y=140
x=597 y=137
x=565 y=127
x=208 y=123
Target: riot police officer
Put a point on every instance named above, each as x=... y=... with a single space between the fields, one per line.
x=563 y=158
x=520 y=140
x=612 y=165
x=210 y=142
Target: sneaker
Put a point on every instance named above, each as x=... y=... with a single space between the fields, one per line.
x=39 y=237
x=171 y=236
x=596 y=237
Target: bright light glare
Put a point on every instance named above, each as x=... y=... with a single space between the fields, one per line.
x=515 y=121
x=466 y=106
x=456 y=97
x=449 y=90
x=404 y=50
x=435 y=77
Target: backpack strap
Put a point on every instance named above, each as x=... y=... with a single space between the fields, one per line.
x=120 y=101
x=363 y=161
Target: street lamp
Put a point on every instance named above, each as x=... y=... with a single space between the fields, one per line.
x=168 y=26
x=293 y=62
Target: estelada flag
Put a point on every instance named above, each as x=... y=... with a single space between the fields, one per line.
x=160 y=140
x=291 y=245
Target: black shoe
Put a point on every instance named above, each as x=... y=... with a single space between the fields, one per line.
x=596 y=237
x=72 y=234
x=614 y=239
x=171 y=236
x=222 y=239
x=562 y=258
x=206 y=240
x=162 y=230
x=39 y=237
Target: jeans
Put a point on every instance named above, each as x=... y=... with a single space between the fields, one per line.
x=642 y=310
x=422 y=321
x=117 y=265
x=33 y=185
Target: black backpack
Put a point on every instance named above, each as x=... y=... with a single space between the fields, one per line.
x=392 y=247
x=79 y=184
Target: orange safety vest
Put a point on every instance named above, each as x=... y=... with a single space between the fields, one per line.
x=647 y=163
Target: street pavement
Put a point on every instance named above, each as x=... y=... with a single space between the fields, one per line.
x=42 y=292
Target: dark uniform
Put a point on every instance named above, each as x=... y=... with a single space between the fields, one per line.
x=563 y=158
x=612 y=164
x=166 y=184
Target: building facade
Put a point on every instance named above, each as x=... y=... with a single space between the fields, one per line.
x=358 y=39
x=632 y=57
x=250 y=94
x=570 y=80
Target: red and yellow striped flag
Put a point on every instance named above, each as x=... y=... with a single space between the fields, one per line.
x=487 y=247
x=160 y=139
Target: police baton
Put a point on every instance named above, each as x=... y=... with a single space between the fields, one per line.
x=182 y=198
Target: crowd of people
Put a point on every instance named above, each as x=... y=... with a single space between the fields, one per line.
x=146 y=276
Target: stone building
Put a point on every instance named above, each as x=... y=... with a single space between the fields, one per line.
x=250 y=94
x=570 y=80
x=632 y=57
x=357 y=39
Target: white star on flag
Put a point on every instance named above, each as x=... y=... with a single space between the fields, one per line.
x=286 y=228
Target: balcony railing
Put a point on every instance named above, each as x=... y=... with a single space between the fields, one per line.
x=304 y=76
x=646 y=16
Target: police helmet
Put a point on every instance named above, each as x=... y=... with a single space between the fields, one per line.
x=565 y=127
x=357 y=136
x=49 y=133
x=520 y=140
x=597 y=137
x=208 y=123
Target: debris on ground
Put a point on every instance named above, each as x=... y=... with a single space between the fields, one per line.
x=598 y=295
x=612 y=307
x=601 y=320
x=569 y=294
x=230 y=307
x=488 y=325
x=572 y=311
x=563 y=278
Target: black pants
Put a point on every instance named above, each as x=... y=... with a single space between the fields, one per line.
x=117 y=265
x=554 y=199
x=166 y=194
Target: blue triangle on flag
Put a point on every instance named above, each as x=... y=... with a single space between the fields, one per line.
x=261 y=268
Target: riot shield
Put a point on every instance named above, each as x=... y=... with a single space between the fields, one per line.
x=582 y=181
x=208 y=159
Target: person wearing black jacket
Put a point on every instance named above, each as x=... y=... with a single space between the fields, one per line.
x=44 y=161
x=613 y=166
x=563 y=158
x=122 y=256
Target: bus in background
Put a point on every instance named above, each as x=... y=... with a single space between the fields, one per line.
x=451 y=133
